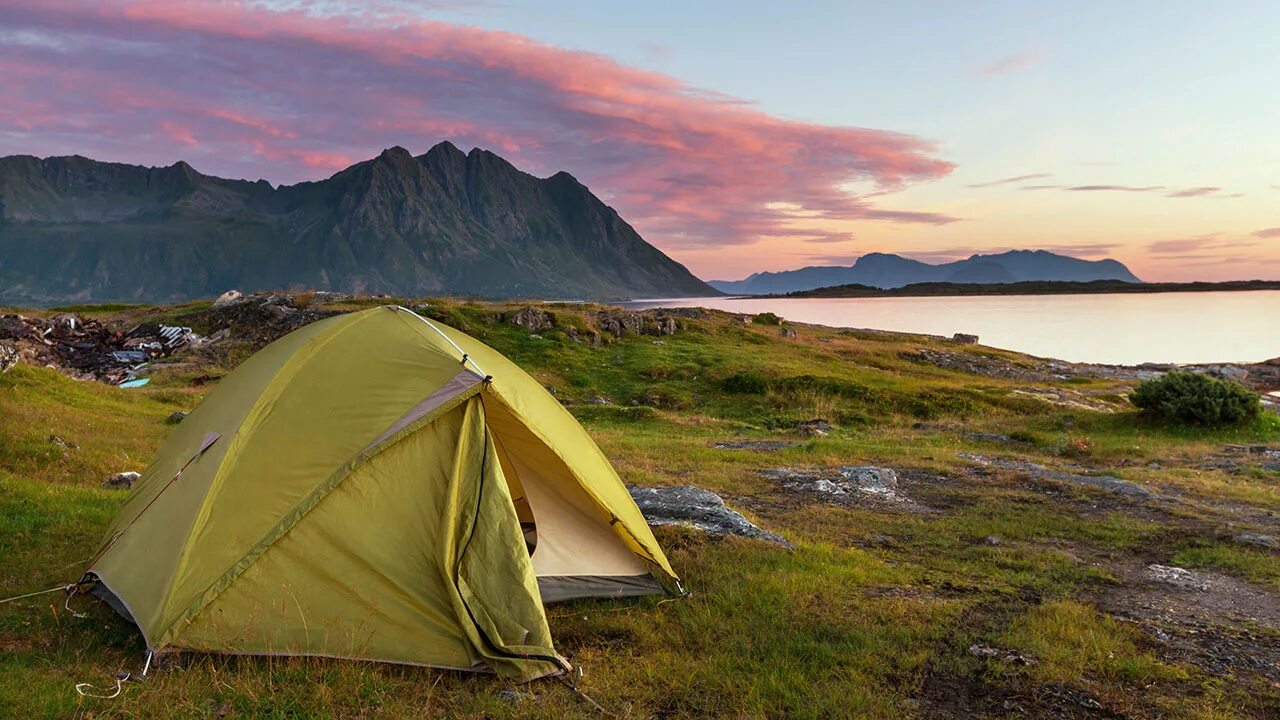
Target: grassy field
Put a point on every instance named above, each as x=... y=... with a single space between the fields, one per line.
x=876 y=611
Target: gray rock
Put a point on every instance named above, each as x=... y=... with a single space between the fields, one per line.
x=1256 y=540
x=1177 y=577
x=698 y=508
x=176 y=417
x=8 y=356
x=871 y=479
x=532 y=319
x=965 y=339
x=816 y=426
x=990 y=437
x=1040 y=472
x=991 y=540
x=121 y=481
x=228 y=298
x=787 y=332
x=599 y=400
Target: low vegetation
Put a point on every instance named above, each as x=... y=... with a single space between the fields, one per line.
x=1194 y=398
x=982 y=591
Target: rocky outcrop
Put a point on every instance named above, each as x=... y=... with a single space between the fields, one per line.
x=1039 y=472
x=698 y=508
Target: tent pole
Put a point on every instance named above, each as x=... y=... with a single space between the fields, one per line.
x=465 y=358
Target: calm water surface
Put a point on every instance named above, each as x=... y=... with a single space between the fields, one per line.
x=1121 y=329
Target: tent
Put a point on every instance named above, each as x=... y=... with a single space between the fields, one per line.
x=375 y=486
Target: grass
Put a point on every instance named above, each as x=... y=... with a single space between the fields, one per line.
x=869 y=616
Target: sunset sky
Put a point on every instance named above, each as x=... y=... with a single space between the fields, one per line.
x=736 y=136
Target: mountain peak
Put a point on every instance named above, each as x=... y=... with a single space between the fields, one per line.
x=442 y=223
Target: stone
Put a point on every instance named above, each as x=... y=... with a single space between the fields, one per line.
x=64 y=443
x=695 y=507
x=8 y=356
x=990 y=437
x=228 y=298
x=1040 y=472
x=1257 y=540
x=532 y=319
x=787 y=332
x=965 y=339
x=176 y=417
x=991 y=540
x=871 y=479
x=1177 y=577
x=121 y=481
x=817 y=427
x=599 y=400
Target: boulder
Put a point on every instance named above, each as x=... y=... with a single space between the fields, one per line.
x=1177 y=577
x=698 y=508
x=965 y=339
x=787 y=332
x=121 y=481
x=532 y=319
x=228 y=298
x=176 y=417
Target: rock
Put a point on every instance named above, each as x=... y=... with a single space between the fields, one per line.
x=990 y=437
x=787 y=332
x=1263 y=541
x=64 y=443
x=991 y=540
x=511 y=695
x=965 y=339
x=176 y=417
x=1040 y=472
x=8 y=356
x=1013 y=657
x=621 y=322
x=871 y=479
x=850 y=483
x=768 y=445
x=1177 y=577
x=599 y=400
x=532 y=319
x=590 y=338
x=121 y=481
x=816 y=426
x=228 y=298
x=698 y=508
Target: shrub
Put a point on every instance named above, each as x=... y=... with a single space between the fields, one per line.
x=1198 y=399
x=767 y=318
x=744 y=383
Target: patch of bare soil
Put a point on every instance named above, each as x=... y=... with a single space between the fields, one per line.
x=1218 y=623
x=953 y=698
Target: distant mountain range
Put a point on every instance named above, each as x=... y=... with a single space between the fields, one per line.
x=446 y=222
x=884 y=270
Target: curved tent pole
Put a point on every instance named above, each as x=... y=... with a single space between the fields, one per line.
x=465 y=357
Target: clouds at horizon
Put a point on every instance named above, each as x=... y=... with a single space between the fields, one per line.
x=242 y=90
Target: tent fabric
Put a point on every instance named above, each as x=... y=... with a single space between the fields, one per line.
x=366 y=494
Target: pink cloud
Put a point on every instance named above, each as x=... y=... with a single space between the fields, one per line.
x=1009 y=64
x=1268 y=233
x=242 y=90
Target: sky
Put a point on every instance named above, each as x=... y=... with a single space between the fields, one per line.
x=735 y=136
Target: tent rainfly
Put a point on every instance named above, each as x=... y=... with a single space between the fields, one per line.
x=375 y=486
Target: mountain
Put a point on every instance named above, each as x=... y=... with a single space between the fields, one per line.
x=446 y=222
x=890 y=271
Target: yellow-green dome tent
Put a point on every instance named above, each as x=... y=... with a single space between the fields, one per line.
x=375 y=486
